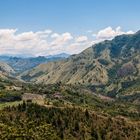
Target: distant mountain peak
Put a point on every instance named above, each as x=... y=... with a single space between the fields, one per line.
x=61 y=55
x=138 y=32
x=20 y=64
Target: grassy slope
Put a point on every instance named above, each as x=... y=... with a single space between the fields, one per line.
x=112 y=64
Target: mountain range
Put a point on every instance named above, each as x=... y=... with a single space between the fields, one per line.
x=111 y=67
x=91 y=95
x=20 y=64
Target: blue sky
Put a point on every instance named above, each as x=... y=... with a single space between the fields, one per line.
x=76 y=17
x=73 y=15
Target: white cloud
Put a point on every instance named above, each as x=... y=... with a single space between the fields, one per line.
x=109 y=33
x=81 y=39
x=5 y=32
x=54 y=35
x=48 y=42
x=45 y=32
x=26 y=36
x=61 y=39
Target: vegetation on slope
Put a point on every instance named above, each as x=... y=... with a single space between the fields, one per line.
x=104 y=64
x=31 y=121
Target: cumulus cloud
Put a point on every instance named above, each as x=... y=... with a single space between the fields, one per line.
x=54 y=35
x=81 y=39
x=109 y=33
x=48 y=42
x=61 y=39
x=26 y=36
